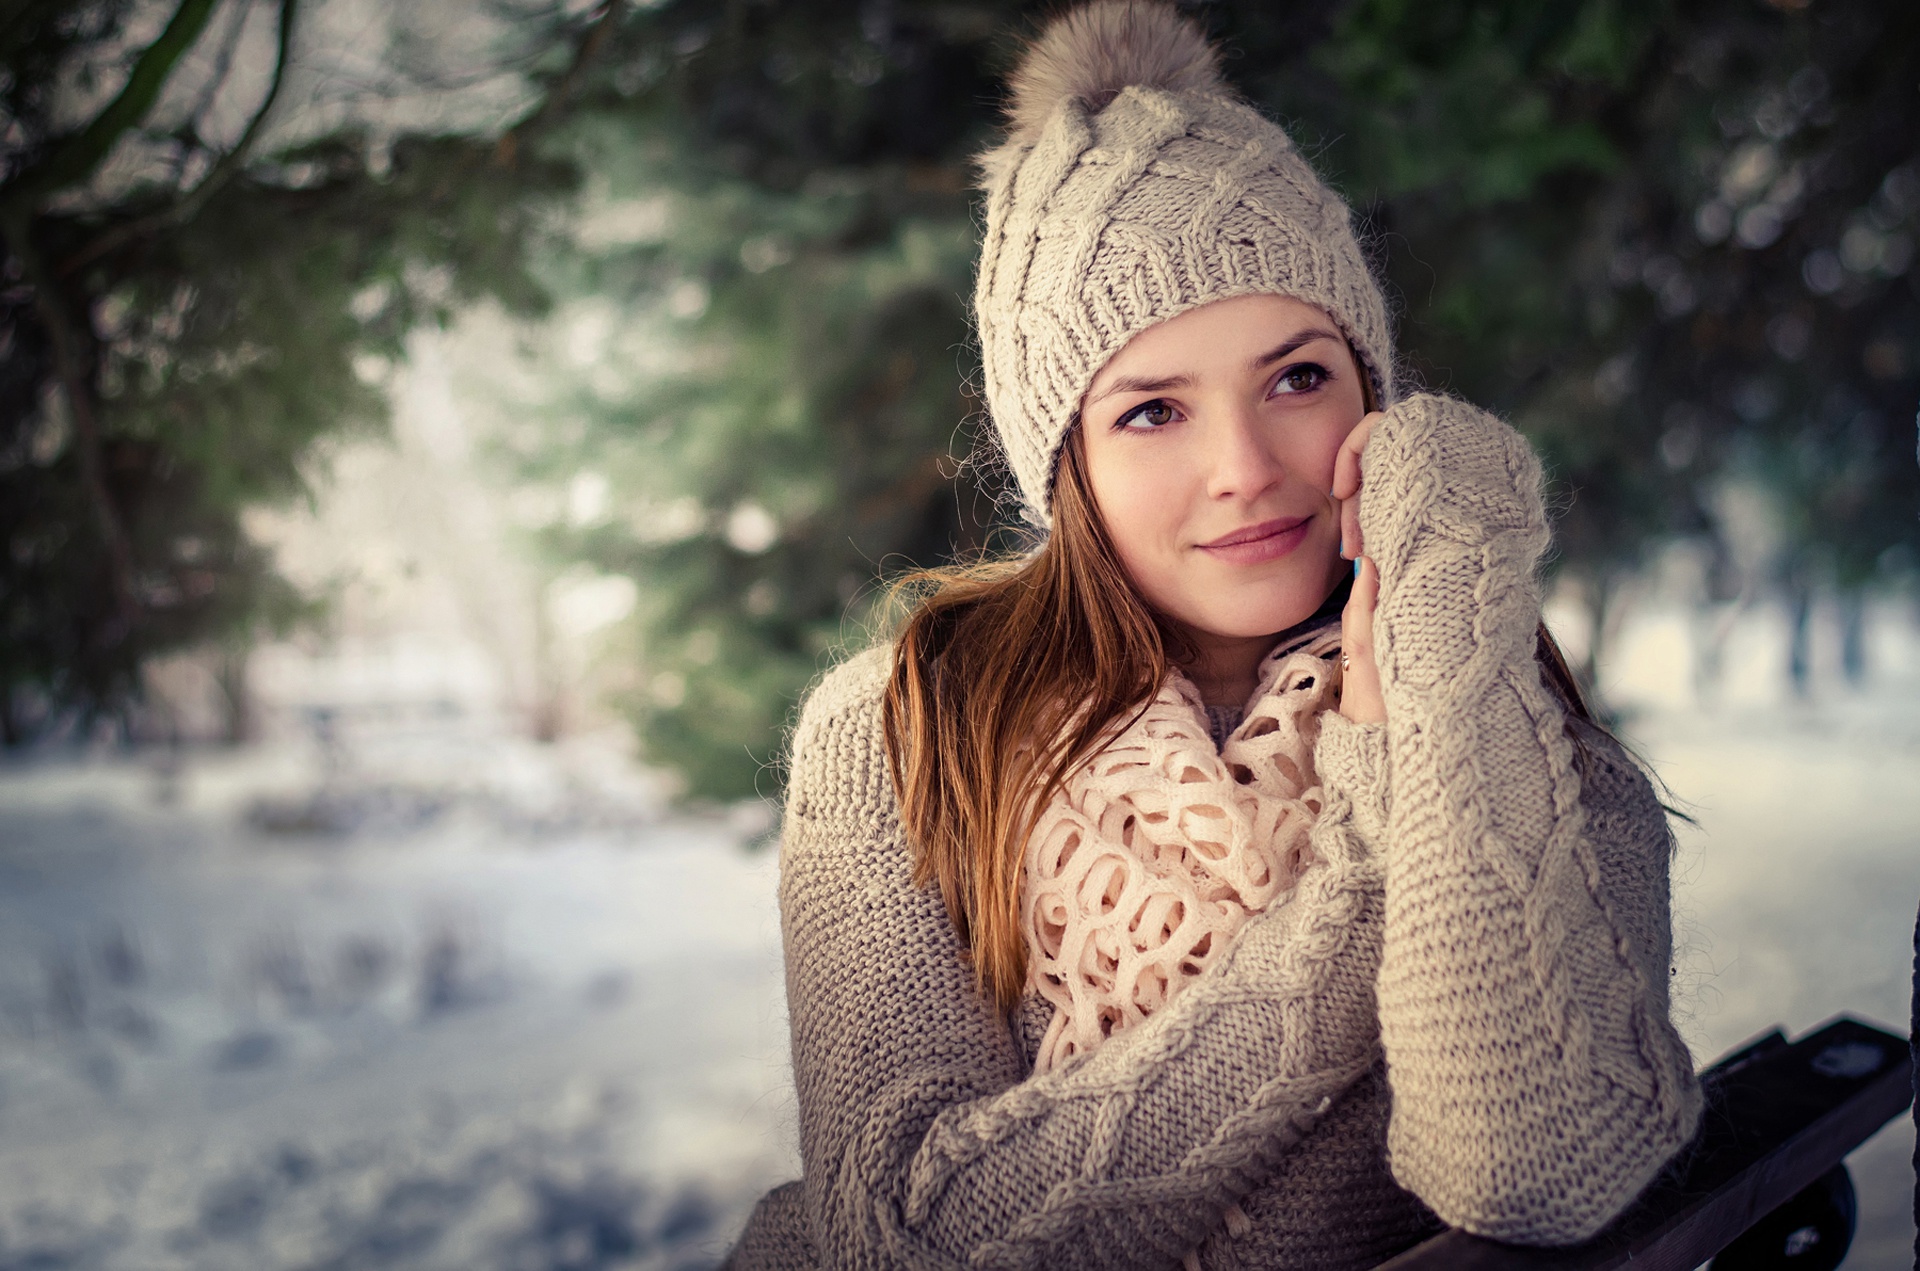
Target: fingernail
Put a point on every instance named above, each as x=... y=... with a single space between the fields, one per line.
x=1356 y=567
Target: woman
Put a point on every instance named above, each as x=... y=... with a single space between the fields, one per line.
x=1182 y=892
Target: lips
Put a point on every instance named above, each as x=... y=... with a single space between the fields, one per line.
x=1265 y=541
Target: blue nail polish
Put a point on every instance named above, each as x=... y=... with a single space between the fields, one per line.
x=1356 y=567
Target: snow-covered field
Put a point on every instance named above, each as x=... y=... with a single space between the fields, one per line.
x=483 y=1007
x=451 y=1037
x=1795 y=895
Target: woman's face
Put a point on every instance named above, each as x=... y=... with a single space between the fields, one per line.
x=1209 y=443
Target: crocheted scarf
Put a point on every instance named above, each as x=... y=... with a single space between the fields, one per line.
x=1163 y=845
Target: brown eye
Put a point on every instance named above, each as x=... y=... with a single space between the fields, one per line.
x=1148 y=415
x=1303 y=378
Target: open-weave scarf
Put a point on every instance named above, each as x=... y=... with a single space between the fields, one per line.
x=1162 y=846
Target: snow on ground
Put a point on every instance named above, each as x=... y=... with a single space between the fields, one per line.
x=444 y=1039
x=428 y=996
x=1795 y=894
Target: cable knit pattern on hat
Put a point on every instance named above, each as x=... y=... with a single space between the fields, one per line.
x=1134 y=201
x=1161 y=846
x=1464 y=996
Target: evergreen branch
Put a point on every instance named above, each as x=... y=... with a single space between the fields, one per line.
x=81 y=154
x=507 y=149
x=190 y=204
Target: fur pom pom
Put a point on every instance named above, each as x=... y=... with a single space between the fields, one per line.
x=1093 y=52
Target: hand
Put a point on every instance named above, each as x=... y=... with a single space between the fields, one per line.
x=1360 y=697
x=1346 y=485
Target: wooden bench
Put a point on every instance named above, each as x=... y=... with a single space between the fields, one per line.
x=1780 y=1116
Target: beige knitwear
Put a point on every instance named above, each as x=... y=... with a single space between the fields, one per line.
x=1134 y=186
x=1465 y=995
x=1162 y=845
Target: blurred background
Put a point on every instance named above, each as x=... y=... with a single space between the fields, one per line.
x=440 y=442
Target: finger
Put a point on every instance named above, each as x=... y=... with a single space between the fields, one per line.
x=1346 y=462
x=1346 y=467
x=1356 y=620
x=1361 y=698
x=1346 y=484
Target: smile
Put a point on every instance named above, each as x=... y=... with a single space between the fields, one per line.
x=1269 y=540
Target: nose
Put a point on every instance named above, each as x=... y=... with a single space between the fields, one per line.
x=1244 y=463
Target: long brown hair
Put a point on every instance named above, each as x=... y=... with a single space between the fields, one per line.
x=1006 y=675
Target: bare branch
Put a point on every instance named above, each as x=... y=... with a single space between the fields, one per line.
x=506 y=151
x=222 y=68
x=81 y=154
x=221 y=172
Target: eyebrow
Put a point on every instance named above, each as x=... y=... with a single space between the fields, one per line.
x=1297 y=340
x=1143 y=384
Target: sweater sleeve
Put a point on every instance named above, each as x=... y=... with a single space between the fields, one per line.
x=1538 y=1084
x=924 y=1142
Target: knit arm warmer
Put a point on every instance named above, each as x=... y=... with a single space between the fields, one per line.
x=924 y=1147
x=1537 y=1082
x=1351 y=760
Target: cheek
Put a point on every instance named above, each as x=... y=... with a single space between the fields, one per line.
x=1142 y=495
x=1316 y=448
x=1318 y=432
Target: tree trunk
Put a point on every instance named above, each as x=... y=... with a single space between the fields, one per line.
x=1799 y=633
x=1601 y=592
x=75 y=359
x=232 y=678
x=13 y=732
x=1853 y=636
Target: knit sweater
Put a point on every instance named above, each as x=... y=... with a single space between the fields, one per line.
x=1460 y=1013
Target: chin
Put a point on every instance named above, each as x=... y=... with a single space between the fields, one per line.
x=1252 y=626
x=1263 y=618
x=1265 y=609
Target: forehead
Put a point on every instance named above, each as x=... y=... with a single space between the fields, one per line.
x=1220 y=334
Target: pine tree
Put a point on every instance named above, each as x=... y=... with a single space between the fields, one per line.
x=177 y=341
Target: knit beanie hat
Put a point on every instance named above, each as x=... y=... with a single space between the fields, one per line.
x=1133 y=186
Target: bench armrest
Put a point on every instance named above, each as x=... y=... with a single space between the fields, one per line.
x=1779 y=1114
